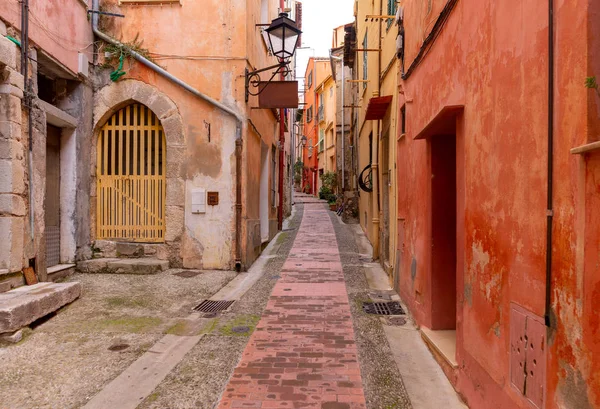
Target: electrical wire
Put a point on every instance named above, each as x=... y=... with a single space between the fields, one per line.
x=430 y=40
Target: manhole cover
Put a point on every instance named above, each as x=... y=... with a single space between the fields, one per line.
x=118 y=347
x=212 y=306
x=397 y=321
x=187 y=274
x=240 y=330
x=383 y=308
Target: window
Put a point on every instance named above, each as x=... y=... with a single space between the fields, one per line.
x=365 y=45
x=321 y=140
x=309 y=81
x=392 y=9
x=309 y=114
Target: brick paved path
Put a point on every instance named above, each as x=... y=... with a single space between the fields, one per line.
x=303 y=354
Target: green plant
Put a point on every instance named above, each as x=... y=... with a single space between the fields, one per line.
x=325 y=193
x=329 y=180
x=298 y=168
x=591 y=83
x=118 y=53
x=332 y=199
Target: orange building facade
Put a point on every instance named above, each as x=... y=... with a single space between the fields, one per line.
x=486 y=256
x=317 y=70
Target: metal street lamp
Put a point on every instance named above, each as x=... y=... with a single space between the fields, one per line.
x=283 y=37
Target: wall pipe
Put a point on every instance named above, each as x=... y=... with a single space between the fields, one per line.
x=550 y=210
x=239 y=126
x=28 y=99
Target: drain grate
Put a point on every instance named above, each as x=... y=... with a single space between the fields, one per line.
x=213 y=306
x=383 y=308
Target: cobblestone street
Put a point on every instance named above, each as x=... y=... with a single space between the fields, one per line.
x=303 y=352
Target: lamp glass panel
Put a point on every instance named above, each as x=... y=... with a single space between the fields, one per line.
x=276 y=37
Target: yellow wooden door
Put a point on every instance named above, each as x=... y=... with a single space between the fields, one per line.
x=131 y=177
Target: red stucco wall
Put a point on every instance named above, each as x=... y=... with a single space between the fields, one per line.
x=492 y=58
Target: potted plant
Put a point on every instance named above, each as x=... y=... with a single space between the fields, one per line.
x=332 y=203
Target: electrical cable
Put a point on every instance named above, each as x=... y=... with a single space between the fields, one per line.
x=430 y=40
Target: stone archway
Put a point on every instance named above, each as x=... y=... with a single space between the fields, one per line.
x=110 y=100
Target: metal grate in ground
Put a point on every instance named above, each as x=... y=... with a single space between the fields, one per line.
x=383 y=308
x=213 y=306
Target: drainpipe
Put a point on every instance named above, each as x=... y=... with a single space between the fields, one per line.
x=550 y=211
x=239 y=126
x=28 y=100
x=281 y=148
x=375 y=165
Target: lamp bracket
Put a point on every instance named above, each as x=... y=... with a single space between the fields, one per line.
x=253 y=77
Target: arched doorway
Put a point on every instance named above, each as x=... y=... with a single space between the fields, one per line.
x=131 y=177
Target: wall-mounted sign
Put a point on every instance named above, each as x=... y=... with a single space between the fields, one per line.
x=278 y=94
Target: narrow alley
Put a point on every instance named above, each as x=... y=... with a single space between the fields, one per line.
x=299 y=204
x=296 y=336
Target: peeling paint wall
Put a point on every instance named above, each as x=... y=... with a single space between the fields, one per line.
x=208 y=45
x=492 y=58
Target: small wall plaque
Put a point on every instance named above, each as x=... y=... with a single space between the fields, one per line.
x=213 y=198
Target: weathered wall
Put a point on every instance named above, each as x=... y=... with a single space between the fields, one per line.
x=492 y=57
x=60 y=28
x=220 y=40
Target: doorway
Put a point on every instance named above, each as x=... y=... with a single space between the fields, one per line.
x=131 y=172
x=443 y=232
x=264 y=192
x=52 y=198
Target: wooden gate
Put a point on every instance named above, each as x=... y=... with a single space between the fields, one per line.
x=131 y=177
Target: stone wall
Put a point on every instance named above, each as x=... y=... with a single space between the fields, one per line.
x=13 y=163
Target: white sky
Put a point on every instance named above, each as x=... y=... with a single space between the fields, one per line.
x=319 y=18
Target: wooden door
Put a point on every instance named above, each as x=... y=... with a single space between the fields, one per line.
x=131 y=177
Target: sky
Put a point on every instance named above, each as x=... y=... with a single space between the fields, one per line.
x=319 y=18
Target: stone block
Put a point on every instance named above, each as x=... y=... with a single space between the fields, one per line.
x=105 y=248
x=11 y=90
x=11 y=245
x=175 y=218
x=12 y=205
x=2 y=28
x=10 y=130
x=8 y=53
x=138 y=266
x=130 y=250
x=24 y=305
x=11 y=149
x=175 y=192
x=10 y=108
x=95 y=266
x=151 y=249
x=173 y=128
x=12 y=176
x=14 y=78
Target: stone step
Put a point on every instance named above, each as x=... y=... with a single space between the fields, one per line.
x=24 y=305
x=123 y=266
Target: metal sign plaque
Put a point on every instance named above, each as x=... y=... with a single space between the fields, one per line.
x=278 y=94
